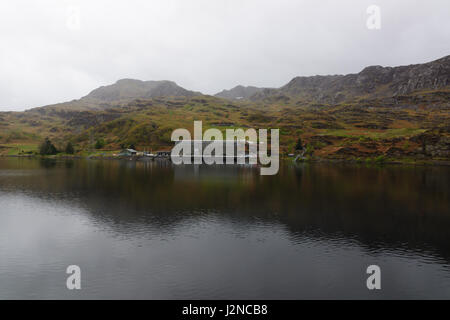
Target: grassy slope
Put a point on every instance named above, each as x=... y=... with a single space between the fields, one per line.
x=364 y=128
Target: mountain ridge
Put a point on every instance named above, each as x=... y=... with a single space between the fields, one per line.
x=373 y=81
x=138 y=89
x=238 y=92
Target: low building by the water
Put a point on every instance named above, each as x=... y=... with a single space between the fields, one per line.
x=128 y=153
x=197 y=148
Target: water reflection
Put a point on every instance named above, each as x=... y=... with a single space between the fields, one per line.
x=317 y=209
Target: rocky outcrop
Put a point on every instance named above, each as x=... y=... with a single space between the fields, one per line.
x=433 y=144
x=371 y=82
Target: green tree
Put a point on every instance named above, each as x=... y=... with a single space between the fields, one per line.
x=99 y=144
x=47 y=148
x=299 y=145
x=69 y=148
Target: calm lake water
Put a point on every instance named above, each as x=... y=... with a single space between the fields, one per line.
x=155 y=231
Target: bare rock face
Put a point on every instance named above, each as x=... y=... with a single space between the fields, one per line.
x=432 y=75
x=371 y=82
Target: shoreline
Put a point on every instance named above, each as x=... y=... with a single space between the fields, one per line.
x=368 y=161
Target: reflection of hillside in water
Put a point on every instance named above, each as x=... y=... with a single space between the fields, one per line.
x=221 y=173
x=382 y=208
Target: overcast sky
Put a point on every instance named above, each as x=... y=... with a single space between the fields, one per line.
x=46 y=56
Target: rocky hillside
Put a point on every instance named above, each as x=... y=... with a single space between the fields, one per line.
x=120 y=94
x=239 y=92
x=128 y=89
x=372 y=82
x=381 y=112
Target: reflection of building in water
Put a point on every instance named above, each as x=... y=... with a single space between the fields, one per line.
x=223 y=173
x=163 y=153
